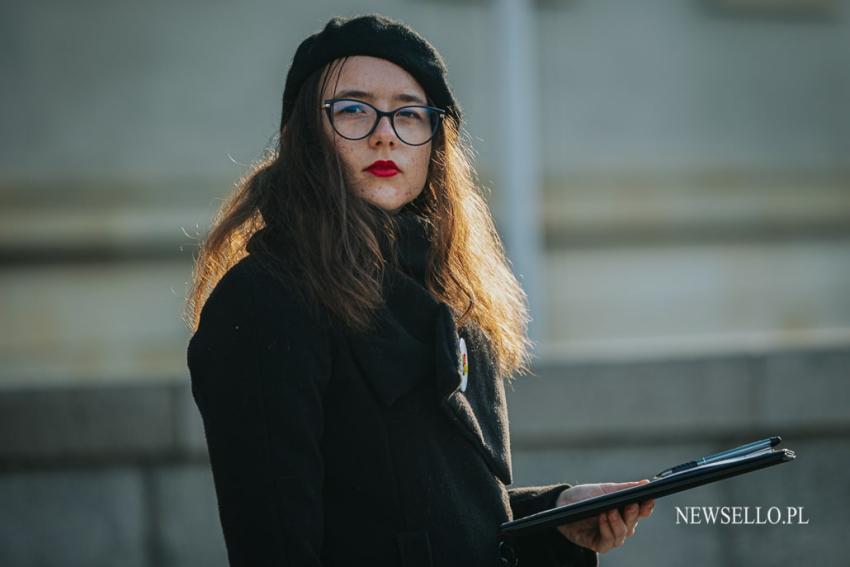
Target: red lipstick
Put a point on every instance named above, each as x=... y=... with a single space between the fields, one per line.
x=383 y=168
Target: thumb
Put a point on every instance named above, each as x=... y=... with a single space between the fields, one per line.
x=629 y=484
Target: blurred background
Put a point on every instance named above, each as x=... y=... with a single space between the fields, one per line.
x=675 y=194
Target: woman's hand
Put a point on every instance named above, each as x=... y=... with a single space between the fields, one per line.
x=609 y=529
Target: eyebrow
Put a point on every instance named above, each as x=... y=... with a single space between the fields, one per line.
x=404 y=97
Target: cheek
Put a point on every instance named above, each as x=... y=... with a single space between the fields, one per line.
x=347 y=156
x=341 y=147
x=423 y=160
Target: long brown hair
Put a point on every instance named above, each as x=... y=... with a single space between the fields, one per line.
x=297 y=194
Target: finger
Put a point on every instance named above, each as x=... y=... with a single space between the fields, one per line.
x=606 y=539
x=617 y=527
x=632 y=483
x=608 y=487
x=631 y=518
x=646 y=508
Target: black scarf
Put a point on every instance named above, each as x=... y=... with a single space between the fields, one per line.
x=413 y=244
x=415 y=341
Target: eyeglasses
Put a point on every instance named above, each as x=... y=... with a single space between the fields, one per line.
x=354 y=120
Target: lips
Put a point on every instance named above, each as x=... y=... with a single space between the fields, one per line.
x=383 y=168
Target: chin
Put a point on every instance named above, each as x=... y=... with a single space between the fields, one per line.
x=392 y=208
x=388 y=202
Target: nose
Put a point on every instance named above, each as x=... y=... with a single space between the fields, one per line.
x=383 y=133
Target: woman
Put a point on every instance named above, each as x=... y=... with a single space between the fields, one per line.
x=355 y=318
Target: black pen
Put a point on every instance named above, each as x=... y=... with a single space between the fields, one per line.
x=728 y=454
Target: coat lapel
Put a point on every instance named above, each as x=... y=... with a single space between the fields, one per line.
x=398 y=354
x=481 y=410
x=399 y=357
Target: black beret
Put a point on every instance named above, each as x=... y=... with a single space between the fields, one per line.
x=378 y=36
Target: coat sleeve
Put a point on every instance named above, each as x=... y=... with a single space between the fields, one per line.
x=259 y=367
x=548 y=547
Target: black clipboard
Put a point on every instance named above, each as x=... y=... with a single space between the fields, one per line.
x=678 y=482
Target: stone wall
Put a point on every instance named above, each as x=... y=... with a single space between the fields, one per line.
x=118 y=474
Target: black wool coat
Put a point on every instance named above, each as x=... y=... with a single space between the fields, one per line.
x=332 y=448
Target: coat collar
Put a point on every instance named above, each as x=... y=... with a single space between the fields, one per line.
x=481 y=410
x=417 y=338
x=411 y=323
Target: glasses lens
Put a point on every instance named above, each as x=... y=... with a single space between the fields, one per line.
x=415 y=124
x=352 y=119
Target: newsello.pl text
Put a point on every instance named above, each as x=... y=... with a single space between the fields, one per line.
x=740 y=515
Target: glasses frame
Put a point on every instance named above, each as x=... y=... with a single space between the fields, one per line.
x=328 y=103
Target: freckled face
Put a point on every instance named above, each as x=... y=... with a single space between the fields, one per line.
x=385 y=84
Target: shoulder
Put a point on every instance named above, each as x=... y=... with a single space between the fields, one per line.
x=253 y=334
x=254 y=325
x=249 y=297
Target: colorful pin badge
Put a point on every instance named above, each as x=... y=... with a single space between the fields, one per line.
x=464 y=365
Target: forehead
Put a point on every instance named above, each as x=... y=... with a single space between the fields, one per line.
x=373 y=75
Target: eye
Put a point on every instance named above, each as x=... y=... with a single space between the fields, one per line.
x=412 y=113
x=349 y=108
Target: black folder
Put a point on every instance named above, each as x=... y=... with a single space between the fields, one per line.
x=677 y=479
